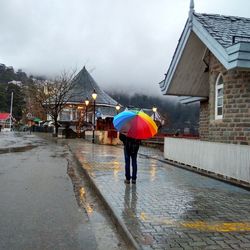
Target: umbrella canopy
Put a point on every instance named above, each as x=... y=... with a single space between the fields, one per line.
x=135 y=124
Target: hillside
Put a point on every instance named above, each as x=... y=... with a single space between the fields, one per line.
x=177 y=116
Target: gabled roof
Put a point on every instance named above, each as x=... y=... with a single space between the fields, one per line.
x=84 y=85
x=227 y=37
x=105 y=112
x=4 y=116
x=157 y=116
x=226 y=30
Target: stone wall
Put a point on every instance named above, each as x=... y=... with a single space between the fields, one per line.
x=204 y=121
x=234 y=127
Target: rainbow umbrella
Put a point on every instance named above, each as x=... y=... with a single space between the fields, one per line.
x=135 y=124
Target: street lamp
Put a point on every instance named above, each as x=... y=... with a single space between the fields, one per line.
x=154 y=110
x=94 y=96
x=86 y=103
x=117 y=107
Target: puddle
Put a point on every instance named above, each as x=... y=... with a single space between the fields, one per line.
x=16 y=149
x=80 y=191
x=107 y=235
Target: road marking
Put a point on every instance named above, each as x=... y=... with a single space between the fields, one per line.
x=218 y=226
x=199 y=225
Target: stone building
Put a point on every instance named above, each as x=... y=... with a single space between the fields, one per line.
x=211 y=65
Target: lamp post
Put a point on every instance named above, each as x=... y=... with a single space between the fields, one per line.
x=117 y=107
x=86 y=110
x=154 y=110
x=94 y=96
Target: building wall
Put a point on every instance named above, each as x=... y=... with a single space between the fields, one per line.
x=224 y=161
x=234 y=127
x=204 y=121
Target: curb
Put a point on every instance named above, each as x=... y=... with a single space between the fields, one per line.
x=121 y=227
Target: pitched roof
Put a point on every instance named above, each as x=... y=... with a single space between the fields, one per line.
x=4 y=116
x=157 y=116
x=226 y=37
x=104 y=112
x=84 y=84
x=226 y=30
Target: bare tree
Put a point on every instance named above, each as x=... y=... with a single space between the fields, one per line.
x=54 y=95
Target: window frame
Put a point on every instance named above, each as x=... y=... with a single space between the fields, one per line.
x=219 y=86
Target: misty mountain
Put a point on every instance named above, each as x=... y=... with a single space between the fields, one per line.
x=12 y=81
x=177 y=116
x=8 y=74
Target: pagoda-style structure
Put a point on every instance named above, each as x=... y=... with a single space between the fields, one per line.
x=96 y=115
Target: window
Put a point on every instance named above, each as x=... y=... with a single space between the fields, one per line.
x=219 y=98
x=65 y=115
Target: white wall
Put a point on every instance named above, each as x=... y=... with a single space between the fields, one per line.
x=226 y=159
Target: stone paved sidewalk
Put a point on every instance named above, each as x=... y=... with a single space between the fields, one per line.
x=169 y=207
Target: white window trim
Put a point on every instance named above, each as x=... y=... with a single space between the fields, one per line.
x=217 y=87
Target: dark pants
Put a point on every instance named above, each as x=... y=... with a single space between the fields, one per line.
x=133 y=157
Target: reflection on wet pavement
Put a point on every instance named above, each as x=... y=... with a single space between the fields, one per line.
x=16 y=149
x=169 y=207
x=105 y=232
x=39 y=209
x=79 y=191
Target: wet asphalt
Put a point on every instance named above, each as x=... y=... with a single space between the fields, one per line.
x=45 y=201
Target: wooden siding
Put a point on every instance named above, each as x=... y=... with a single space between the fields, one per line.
x=189 y=78
x=228 y=160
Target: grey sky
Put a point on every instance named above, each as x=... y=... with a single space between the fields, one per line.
x=127 y=44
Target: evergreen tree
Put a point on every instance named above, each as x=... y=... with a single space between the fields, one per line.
x=3 y=98
x=18 y=100
x=177 y=115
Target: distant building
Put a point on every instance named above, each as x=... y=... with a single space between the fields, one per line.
x=5 y=121
x=84 y=85
x=76 y=113
x=156 y=116
x=18 y=83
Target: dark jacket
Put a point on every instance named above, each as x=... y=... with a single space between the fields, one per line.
x=131 y=145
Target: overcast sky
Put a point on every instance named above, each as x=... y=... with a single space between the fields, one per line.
x=126 y=44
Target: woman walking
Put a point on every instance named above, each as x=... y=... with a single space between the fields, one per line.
x=131 y=147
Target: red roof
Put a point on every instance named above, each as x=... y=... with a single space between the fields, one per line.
x=4 y=116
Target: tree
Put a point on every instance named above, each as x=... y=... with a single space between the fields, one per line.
x=54 y=95
x=176 y=115
x=3 y=99
x=18 y=100
x=32 y=106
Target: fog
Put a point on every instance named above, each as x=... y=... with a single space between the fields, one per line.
x=126 y=45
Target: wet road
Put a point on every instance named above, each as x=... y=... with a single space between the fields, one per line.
x=45 y=202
